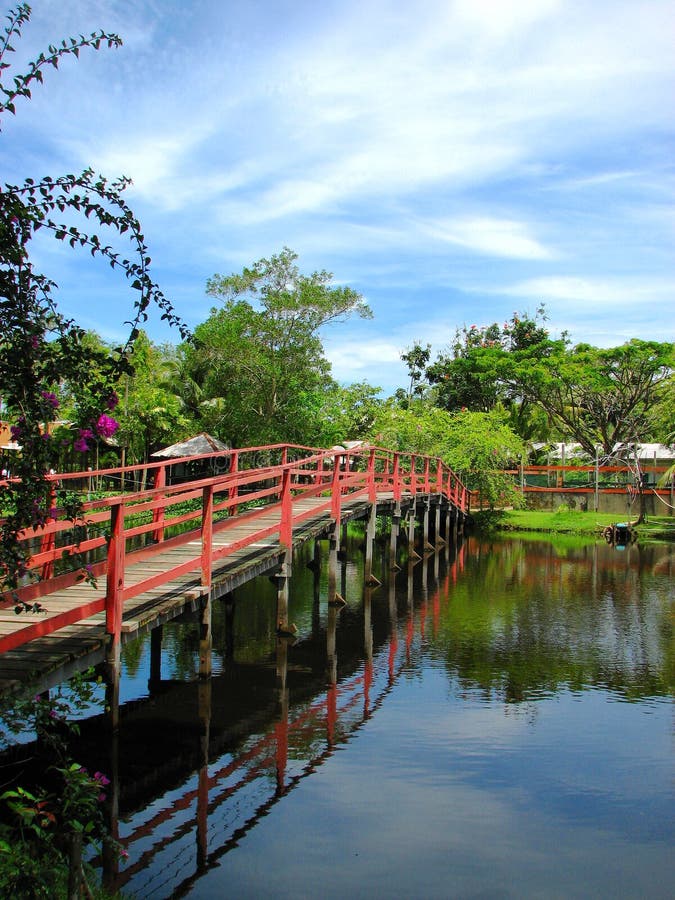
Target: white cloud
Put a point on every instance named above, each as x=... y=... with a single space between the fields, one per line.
x=494 y=237
x=363 y=353
x=599 y=291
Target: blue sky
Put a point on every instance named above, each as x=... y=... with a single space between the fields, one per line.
x=452 y=161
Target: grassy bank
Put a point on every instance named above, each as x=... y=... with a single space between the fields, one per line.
x=570 y=521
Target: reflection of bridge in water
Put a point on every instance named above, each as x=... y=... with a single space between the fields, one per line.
x=238 y=755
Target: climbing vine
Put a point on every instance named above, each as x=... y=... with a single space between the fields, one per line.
x=41 y=349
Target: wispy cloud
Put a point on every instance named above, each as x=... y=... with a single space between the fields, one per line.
x=603 y=292
x=494 y=237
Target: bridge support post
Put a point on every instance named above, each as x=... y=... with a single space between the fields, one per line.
x=112 y=684
x=315 y=566
x=438 y=539
x=425 y=526
x=412 y=514
x=229 y=625
x=370 y=579
x=393 y=536
x=315 y=562
x=333 y=553
x=282 y=579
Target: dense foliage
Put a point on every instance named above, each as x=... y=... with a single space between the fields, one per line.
x=553 y=389
x=258 y=360
x=477 y=445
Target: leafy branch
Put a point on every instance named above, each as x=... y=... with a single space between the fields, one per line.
x=69 y=47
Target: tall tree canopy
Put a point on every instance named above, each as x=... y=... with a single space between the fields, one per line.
x=259 y=358
x=472 y=375
x=600 y=397
x=591 y=395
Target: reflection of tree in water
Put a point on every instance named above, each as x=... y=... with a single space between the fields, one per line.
x=524 y=621
x=132 y=655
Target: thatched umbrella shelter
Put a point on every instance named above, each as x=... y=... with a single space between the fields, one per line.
x=200 y=445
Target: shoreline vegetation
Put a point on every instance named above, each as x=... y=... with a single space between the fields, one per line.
x=570 y=521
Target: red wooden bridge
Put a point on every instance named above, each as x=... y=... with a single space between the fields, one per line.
x=139 y=557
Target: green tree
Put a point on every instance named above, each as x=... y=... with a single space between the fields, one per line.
x=419 y=428
x=476 y=445
x=416 y=359
x=481 y=445
x=597 y=396
x=347 y=413
x=150 y=413
x=259 y=359
x=474 y=374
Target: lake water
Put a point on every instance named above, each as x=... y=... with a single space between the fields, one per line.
x=494 y=722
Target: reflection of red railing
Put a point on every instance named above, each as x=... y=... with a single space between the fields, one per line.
x=307 y=737
x=259 y=479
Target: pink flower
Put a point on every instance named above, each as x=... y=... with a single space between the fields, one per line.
x=106 y=426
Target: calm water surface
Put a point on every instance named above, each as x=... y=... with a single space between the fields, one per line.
x=495 y=722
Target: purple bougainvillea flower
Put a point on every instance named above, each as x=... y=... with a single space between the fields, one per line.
x=51 y=399
x=81 y=443
x=106 y=426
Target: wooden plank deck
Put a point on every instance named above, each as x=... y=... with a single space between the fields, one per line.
x=48 y=660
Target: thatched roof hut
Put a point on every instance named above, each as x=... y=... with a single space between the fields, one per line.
x=199 y=445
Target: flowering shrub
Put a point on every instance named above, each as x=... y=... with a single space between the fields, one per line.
x=106 y=426
x=37 y=825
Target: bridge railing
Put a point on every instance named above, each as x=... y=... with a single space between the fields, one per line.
x=114 y=532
